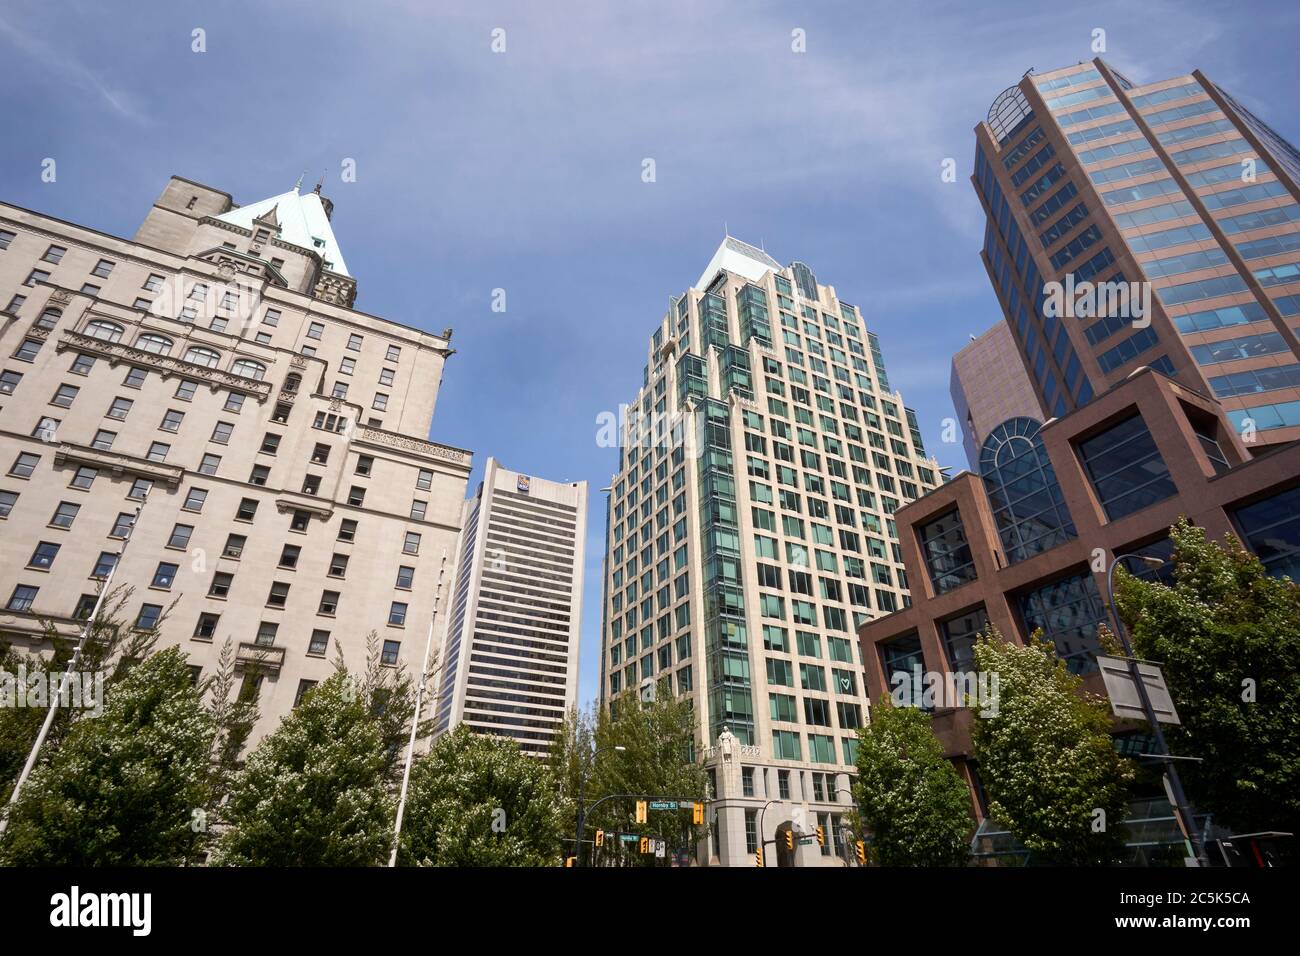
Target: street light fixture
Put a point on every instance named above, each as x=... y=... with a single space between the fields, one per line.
x=582 y=785
x=1181 y=806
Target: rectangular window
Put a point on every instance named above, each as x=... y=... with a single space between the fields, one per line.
x=1068 y=612
x=43 y=557
x=397 y=614
x=319 y=643
x=206 y=626
x=1126 y=469
x=149 y=617
x=164 y=575
x=947 y=553
x=1271 y=529
x=63 y=518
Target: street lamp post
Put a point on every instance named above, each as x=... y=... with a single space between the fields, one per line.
x=1181 y=806
x=762 y=840
x=582 y=785
x=415 y=720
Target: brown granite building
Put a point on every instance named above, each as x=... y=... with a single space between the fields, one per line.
x=1020 y=544
x=989 y=385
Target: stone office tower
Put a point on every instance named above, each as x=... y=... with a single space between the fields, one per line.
x=1174 y=184
x=988 y=385
x=216 y=362
x=750 y=530
x=510 y=663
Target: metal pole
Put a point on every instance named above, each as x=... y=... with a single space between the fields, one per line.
x=582 y=815
x=72 y=666
x=762 y=840
x=415 y=720
x=582 y=785
x=1181 y=806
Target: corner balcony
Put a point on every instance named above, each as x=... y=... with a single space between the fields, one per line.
x=117 y=464
x=265 y=658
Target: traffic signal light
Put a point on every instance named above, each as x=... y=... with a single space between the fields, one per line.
x=758 y=857
x=862 y=853
x=645 y=844
x=821 y=836
x=789 y=839
x=640 y=811
x=568 y=860
x=600 y=838
x=697 y=813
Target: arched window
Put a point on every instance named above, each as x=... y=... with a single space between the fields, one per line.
x=292 y=383
x=49 y=318
x=249 y=369
x=203 y=356
x=157 y=344
x=103 y=329
x=1021 y=486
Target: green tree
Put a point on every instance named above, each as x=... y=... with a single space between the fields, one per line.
x=233 y=717
x=389 y=693
x=909 y=796
x=111 y=648
x=658 y=759
x=1227 y=636
x=1046 y=757
x=477 y=800
x=313 y=792
x=123 y=788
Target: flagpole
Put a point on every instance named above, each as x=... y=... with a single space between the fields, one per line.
x=415 y=721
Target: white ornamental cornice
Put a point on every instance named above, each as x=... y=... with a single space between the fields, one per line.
x=165 y=365
x=368 y=435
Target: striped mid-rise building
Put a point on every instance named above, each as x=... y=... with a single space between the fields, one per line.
x=509 y=666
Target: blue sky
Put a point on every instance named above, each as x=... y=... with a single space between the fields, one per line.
x=522 y=170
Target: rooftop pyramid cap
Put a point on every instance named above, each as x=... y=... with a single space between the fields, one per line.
x=302 y=221
x=738 y=257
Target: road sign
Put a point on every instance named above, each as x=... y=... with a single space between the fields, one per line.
x=663 y=805
x=661 y=849
x=628 y=837
x=1123 y=692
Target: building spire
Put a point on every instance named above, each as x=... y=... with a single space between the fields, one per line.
x=320 y=183
x=298 y=184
